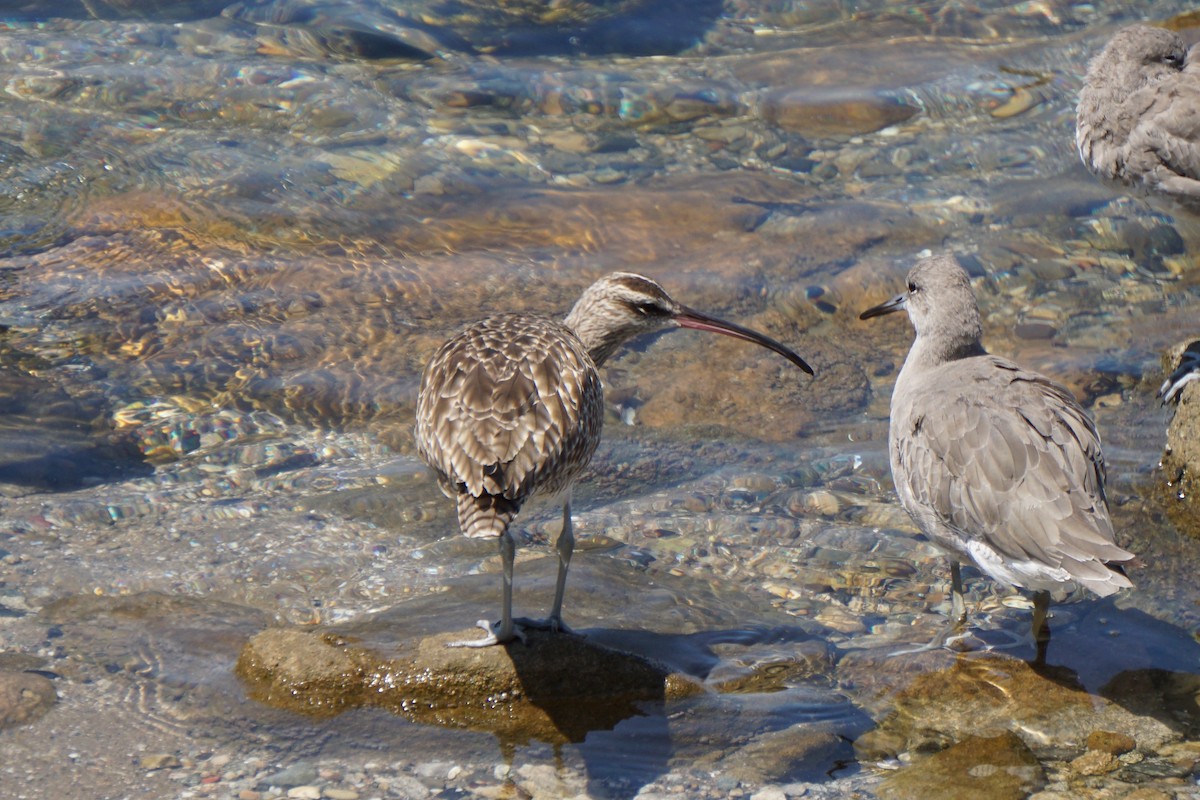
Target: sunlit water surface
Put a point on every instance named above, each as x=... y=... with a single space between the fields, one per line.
x=232 y=235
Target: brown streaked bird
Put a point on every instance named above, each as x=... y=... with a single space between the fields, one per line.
x=512 y=406
x=997 y=465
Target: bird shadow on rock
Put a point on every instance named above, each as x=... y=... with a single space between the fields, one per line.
x=1108 y=668
x=1105 y=648
x=1147 y=665
x=628 y=702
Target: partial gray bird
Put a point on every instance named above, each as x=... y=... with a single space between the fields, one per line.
x=1138 y=118
x=997 y=465
x=1187 y=371
x=512 y=406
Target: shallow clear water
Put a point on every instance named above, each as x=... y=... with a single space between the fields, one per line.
x=233 y=234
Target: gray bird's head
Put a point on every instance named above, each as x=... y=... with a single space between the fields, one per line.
x=1135 y=57
x=621 y=306
x=941 y=306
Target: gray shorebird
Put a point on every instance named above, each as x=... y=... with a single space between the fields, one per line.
x=1138 y=117
x=512 y=406
x=997 y=465
x=1187 y=371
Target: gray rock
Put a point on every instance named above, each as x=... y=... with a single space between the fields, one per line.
x=298 y=774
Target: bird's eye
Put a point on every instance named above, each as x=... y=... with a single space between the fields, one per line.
x=1174 y=60
x=912 y=286
x=645 y=308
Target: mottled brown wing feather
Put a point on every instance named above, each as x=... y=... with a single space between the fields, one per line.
x=972 y=460
x=509 y=407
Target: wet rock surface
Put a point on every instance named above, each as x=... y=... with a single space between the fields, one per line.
x=1181 y=457
x=24 y=697
x=553 y=688
x=996 y=767
x=234 y=232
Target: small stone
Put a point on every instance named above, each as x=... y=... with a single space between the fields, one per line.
x=840 y=619
x=880 y=744
x=159 y=761
x=296 y=775
x=1095 y=762
x=341 y=794
x=821 y=501
x=802 y=111
x=249 y=794
x=429 y=184
x=1146 y=793
x=769 y=793
x=568 y=141
x=407 y=787
x=433 y=769
x=1035 y=330
x=1111 y=742
x=305 y=792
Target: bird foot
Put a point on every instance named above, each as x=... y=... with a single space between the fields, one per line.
x=493 y=635
x=552 y=624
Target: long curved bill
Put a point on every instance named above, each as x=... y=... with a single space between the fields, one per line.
x=895 y=304
x=698 y=320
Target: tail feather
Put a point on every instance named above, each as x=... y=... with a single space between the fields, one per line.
x=486 y=515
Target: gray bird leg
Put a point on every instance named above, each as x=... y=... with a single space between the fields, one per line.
x=958 y=616
x=1041 y=630
x=565 y=546
x=504 y=630
x=958 y=605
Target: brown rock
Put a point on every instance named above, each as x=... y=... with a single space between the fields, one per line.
x=982 y=695
x=1095 y=762
x=833 y=114
x=1111 y=742
x=813 y=658
x=775 y=756
x=992 y=768
x=159 y=761
x=24 y=697
x=1147 y=793
x=555 y=689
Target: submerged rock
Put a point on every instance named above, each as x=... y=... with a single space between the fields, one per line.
x=997 y=727
x=556 y=689
x=984 y=768
x=984 y=695
x=834 y=114
x=24 y=697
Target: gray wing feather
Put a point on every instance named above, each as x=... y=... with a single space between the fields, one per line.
x=1008 y=457
x=1165 y=142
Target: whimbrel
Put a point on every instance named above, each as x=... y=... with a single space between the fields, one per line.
x=513 y=406
x=997 y=465
x=1138 y=118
